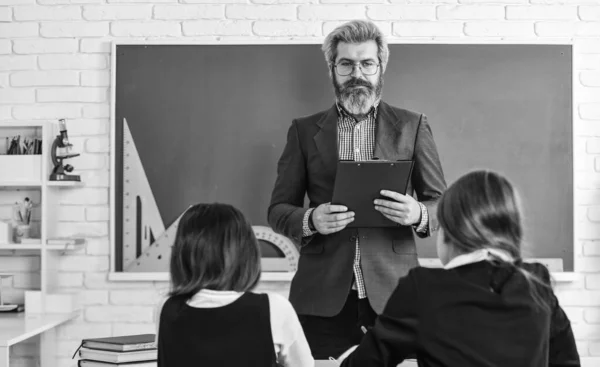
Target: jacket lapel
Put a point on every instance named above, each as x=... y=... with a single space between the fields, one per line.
x=387 y=134
x=326 y=140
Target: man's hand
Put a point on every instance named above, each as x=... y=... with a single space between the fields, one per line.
x=404 y=210
x=329 y=218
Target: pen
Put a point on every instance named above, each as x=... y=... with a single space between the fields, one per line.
x=27 y=204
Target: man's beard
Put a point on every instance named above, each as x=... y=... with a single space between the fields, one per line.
x=358 y=101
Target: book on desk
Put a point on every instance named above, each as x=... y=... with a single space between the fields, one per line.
x=88 y=363
x=128 y=350
x=12 y=308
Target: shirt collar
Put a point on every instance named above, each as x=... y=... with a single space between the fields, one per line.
x=343 y=113
x=477 y=256
x=213 y=293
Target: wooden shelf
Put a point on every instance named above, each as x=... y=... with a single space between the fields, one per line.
x=19 y=326
x=44 y=310
x=20 y=246
x=15 y=124
x=68 y=244
x=39 y=183
x=65 y=247
x=20 y=183
x=65 y=183
x=38 y=246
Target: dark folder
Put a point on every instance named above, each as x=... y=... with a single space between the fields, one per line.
x=359 y=183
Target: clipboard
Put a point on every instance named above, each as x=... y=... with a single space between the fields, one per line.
x=359 y=183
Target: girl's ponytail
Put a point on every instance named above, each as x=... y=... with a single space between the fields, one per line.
x=538 y=287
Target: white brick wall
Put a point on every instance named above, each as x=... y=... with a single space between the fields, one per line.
x=54 y=63
x=43 y=46
x=164 y=12
x=44 y=78
x=124 y=12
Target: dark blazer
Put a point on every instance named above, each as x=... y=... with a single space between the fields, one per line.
x=479 y=314
x=308 y=166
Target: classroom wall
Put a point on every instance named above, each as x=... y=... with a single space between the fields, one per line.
x=54 y=63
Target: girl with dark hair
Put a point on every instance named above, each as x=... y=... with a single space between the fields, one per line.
x=486 y=307
x=211 y=317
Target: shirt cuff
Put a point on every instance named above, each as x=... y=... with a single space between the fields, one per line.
x=306 y=232
x=424 y=224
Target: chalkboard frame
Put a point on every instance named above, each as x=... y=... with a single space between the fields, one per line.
x=114 y=275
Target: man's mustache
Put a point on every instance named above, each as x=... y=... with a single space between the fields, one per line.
x=355 y=82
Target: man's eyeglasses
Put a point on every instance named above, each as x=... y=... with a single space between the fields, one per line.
x=367 y=67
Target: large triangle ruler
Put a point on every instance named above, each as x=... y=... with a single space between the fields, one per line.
x=157 y=256
x=142 y=222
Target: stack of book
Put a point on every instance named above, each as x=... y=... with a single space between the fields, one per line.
x=125 y=351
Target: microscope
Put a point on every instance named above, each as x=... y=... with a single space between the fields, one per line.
x=59 y=173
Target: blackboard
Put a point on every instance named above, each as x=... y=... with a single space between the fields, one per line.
x=209 y=122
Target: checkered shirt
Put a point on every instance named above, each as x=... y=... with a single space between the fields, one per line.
x=356 y=141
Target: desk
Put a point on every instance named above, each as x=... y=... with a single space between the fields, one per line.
x=17 y=327
x=325 y=363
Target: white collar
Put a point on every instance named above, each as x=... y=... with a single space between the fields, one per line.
x=211 y=293
x=477 y=256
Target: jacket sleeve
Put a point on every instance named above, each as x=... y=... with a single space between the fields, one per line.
x=427 y=177
x=562 y=347
x=286 y=209
x=394 y=336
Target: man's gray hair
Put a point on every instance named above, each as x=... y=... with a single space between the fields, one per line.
x=356 y=31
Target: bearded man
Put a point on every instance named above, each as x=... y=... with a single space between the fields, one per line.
x=345 y=275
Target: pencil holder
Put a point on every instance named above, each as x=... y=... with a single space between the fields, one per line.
x=21 y=231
